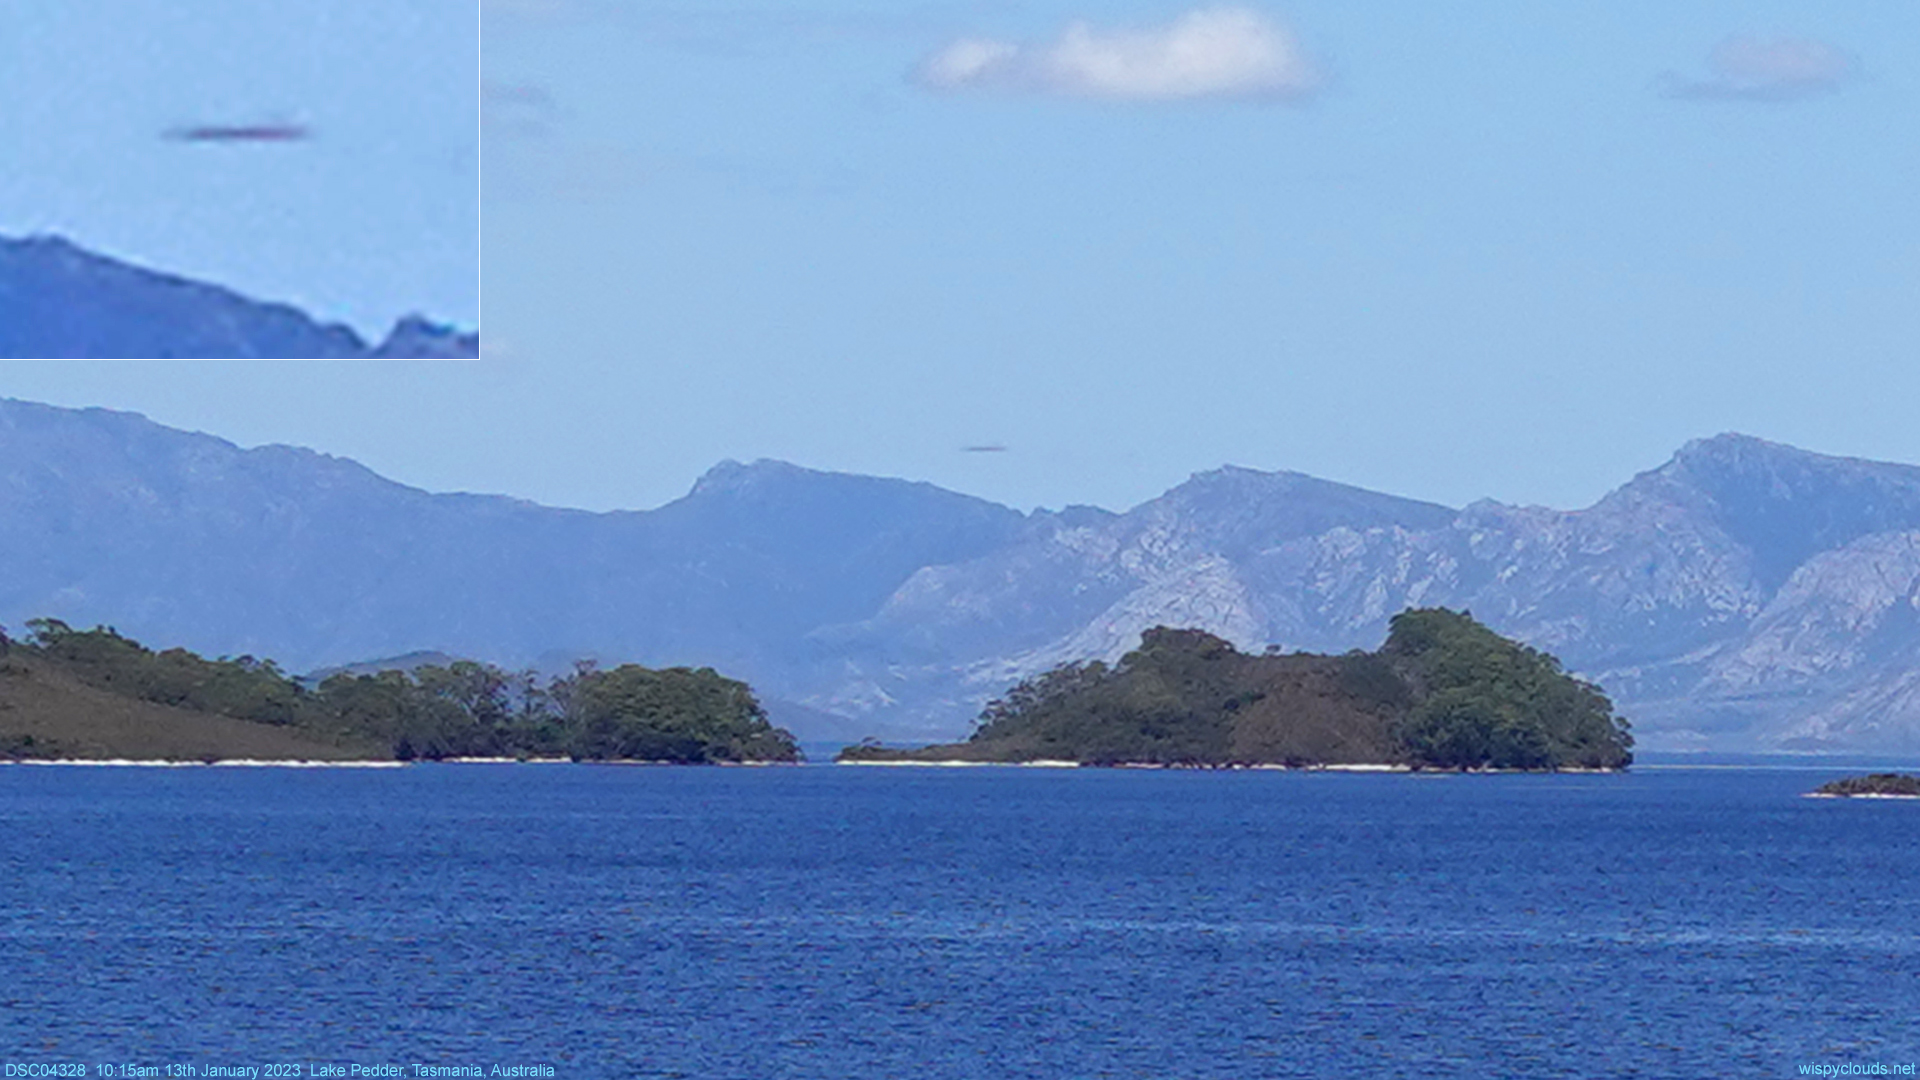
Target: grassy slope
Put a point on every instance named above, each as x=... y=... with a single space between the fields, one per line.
x=1309 y=714
x=68 y=719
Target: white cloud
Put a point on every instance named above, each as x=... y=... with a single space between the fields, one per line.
x=1210 y=53
x=1755 y=69
x=968 y=61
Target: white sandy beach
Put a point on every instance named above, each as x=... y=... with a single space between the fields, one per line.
x=236 y=763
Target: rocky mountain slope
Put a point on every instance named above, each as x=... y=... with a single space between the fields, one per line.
x=1742 y=596
x=59 y=300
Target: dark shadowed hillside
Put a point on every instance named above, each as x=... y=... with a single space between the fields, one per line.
x=109 y=518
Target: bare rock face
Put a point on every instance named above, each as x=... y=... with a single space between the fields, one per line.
x=58 y=300
x=1743 y=596
x=1835 y=655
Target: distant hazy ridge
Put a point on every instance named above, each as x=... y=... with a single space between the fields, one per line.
x=60 y=300
x=1745 y=595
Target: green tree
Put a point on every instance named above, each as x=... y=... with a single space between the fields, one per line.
x=1487 y=701
x=1444 y=691
x=674 y=714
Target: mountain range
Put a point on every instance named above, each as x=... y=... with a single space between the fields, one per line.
x=1743 y=596
x=60 y=300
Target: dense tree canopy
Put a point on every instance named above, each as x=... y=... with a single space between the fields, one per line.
x=462 y=709
x=1443 y=692
x=241 y=687
x=1484 y=700
x=676 y=715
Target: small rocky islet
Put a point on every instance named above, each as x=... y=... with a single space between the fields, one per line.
x=1871 y=786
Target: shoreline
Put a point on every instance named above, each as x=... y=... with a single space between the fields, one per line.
x=166 y=763
x=374 y=763
x=1363 y=767
x=1043 y=763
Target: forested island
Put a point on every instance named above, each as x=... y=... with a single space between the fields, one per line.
x=1443 y=692
x=1875 y=786
x=96 y=694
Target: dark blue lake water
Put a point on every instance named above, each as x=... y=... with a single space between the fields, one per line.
x=932 y=923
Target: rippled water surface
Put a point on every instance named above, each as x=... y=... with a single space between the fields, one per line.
x=931 y=923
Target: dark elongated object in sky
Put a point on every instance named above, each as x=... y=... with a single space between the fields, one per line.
x=241 y=133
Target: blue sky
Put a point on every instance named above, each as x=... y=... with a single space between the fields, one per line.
x=1507 y=250
x=372 y=216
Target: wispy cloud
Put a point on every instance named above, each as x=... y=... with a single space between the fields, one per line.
x=1757 y=69
x=707 y=25
x=523 y=111
x=533 y=9
x=532 y=155
x=1224 y=52
x=778 y=25
x=562 y=171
